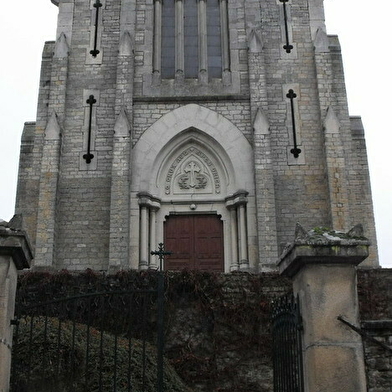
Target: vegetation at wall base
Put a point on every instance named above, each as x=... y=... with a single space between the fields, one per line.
x=44 y=365
x=217 y=326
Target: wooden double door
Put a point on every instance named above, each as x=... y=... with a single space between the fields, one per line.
x=196 y=242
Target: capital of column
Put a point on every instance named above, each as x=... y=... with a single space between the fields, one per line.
x=236 y=199
x=149 y=201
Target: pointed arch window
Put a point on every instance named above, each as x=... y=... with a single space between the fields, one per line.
x=191 y=39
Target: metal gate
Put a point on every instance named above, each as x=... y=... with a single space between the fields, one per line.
x=94 y=342
x=287 y=345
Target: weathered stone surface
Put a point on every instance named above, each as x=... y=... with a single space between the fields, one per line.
x=334 y=369
x=322 y=264
x=15 y=254
x=328 y=184
x=15 y=243
x=323 y=246
x=375 y=299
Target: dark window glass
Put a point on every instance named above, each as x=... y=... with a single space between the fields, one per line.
x=168 y=39
x=191 y=41
x=214 y=48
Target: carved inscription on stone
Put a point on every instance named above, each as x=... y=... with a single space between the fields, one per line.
x=192 y=171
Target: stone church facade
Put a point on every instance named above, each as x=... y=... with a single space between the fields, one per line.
x=210 y=125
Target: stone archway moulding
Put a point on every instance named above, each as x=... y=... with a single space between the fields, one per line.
x=226 y=137
x=194 y=135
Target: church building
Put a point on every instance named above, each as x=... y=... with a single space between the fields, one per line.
x=212 y=126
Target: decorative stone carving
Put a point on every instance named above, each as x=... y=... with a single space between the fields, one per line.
x=321 y=43
x=192 y=171
x=53 y=129
x=122 y=126
x=61 y=49
x=260 y=123
x=126 y=45
x=192 y=177
x=255 y=40
x=331 y=122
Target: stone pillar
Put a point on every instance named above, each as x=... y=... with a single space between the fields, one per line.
x=153 y=238
x=122 y=152
x=234 y=264
x=149 y=205
x=119 y=200
x=236 y=204
x=47 y=201
x=244 y=262
x=322 y=264
x=266 y=208
x=15 y=254
x=51 y=155
x=263 y=162
x=143 y=237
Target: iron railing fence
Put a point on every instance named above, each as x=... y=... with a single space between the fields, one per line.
x=287 y=345
x=91 y=342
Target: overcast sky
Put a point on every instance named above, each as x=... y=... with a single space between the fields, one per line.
x=364 y=33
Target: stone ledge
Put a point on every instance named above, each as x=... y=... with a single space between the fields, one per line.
x=14 y=243
x=323 y=246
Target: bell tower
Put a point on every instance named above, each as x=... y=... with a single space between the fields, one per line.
x=212 y=125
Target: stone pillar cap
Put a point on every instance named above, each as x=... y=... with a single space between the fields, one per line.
x=323 y=246
x=15 y=243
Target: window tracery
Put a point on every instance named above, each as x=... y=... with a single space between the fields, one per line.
x=191 y=39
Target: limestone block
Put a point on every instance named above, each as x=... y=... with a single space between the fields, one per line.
x=331 y=368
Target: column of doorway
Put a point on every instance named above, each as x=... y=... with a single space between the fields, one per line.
x=149 y=205
x=239 y=237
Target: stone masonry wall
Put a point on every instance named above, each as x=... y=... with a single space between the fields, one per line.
x=145 y=114
x=217 y=326
x=83 y=204
x=296 y=185
x=81 y=214
x=31 y=151
x=375 y=297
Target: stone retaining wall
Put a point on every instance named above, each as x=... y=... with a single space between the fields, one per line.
x=375 y=296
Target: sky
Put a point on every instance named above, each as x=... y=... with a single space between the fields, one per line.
x=363 y=31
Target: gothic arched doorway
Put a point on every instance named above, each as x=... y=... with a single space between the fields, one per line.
x=193 y=162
